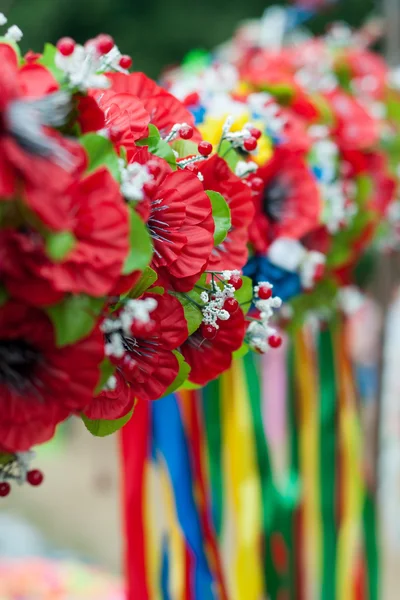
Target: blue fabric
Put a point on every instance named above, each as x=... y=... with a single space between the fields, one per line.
x=367 y=382
x=165 y=572
x=286 y=283
x=169 y=440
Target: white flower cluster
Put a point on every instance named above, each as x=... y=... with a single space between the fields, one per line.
x=243 y=168
x=85 y=67
x=133 y=177
x=13 y=33
x=17 y=469
x=236 y=138
x=214 y=304
x=116 y=329
x=263 y=106
x=174 y=133
x=311 y=268
x=260 y=331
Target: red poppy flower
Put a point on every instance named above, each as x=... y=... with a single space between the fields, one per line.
x=232 y=252
x=33 y=156
x=355 y=128
x=125 y=117
x=182 y=229
x=210 y=358
x=149 y=364
x=98 y=219
x=294 y=134
x=368 y=69
x=384 y=185
x=90 y=115
x=40 y=384
x=164 y=109
x=290 y=203
x=112 y=403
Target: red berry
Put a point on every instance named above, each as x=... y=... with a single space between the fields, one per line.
x=257 y=184
x=35 y=477
x=236 y=281
x=66 y=46
x=5 y=489
x=275 y=341
x=231 y=305
x=256 y=133
x=265 y=292
x=150 y=188
x=154 y=167
x=125 y=62
x=319 y=272
x=205 y=148
x=186 y=132
x=208 y=331
x=104 y=43
x=250 y=144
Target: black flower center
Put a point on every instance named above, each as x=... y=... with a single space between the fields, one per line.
x=274 y=196
x=18 y=362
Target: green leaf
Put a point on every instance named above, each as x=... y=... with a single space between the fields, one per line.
x=243 y=350
x=141 y=248
x=59 y=245
x=221 y=215
x=322 y=105
x=74 y=318
x=158 y=146
x=244 y=295
x=157 y=290
x=185 y=148
x=189 y=385
x=3 y=295
x=149 y=276
x=229 y=154
x=101 y=153
x=48 y=60
x=106 y=370
x=283 y=92
x=184 y=370
x=14 y=45
x=193 y=314
x=102 y=427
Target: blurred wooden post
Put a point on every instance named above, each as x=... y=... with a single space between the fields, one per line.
x=392 y=18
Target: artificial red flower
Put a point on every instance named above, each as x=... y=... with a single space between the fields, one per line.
x=384 y=184
x=40 y=383
x=368 y=70
x=232 y=252
x=210 y=358
x=98 y=219
x=290 y=203
x=355 y=128
x=149 y=364
x=112 y=403
x=182 y=229
x=125 y=117
x=164 y=109
x=32 y=156
x=90 y=116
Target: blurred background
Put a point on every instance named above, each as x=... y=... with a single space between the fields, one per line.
x=156 y=33
x=75 y=515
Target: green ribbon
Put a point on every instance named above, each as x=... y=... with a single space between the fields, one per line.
x=328 y=461
x=213 y=432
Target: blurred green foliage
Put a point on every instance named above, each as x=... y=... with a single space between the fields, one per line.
x=155 y=32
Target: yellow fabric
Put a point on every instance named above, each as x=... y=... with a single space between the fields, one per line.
x=244 y=485
x=349 y=537
x=308 y=411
